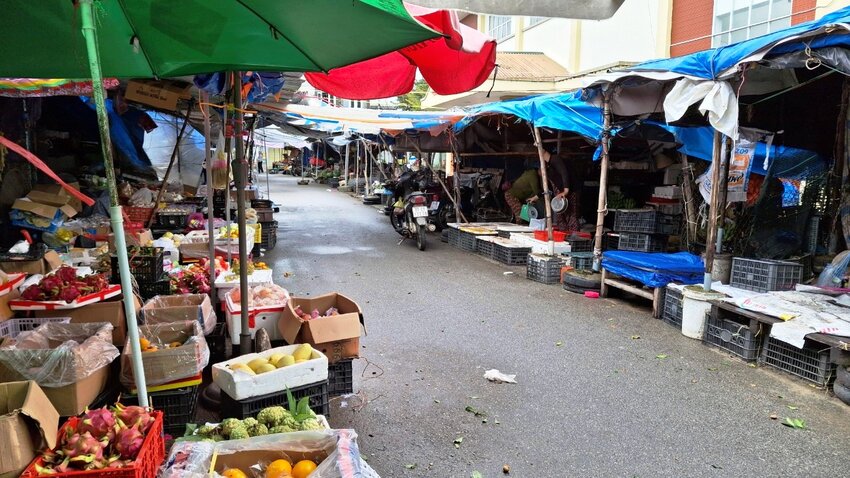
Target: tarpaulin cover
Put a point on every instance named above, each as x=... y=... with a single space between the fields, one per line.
x=712 y=64
x=655 y=269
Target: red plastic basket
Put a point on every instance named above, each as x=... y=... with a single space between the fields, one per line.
x=557 y=236
x=146 y=465
x=138 y=214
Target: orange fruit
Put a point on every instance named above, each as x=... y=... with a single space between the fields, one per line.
x=279 y=469
x=144 y=343
x=303 y=468
x=233 y=473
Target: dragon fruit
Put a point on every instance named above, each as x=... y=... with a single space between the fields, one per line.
x=133 y=416
x=99 y=422
x=33 y=292
x=82 y=449
x=66 y=273
x=69 y=293
x=128 y=441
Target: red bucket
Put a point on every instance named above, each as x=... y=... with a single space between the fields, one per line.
x=557 y=236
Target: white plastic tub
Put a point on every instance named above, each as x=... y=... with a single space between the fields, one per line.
x=240 y=385
x=695 y=304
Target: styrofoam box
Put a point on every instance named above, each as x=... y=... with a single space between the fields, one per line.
x=540 y=247
x=267 y=319
x=240 y=385
x=259 y=277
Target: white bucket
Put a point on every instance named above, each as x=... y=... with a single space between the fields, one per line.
x=694 y=307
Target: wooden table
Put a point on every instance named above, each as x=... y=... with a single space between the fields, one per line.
x=655 y=294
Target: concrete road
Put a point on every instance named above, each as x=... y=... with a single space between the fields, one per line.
x=604 y=390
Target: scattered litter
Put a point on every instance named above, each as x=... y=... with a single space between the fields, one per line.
x=506 y=469
x=792 y=407
x=558 y=343
x=795 y=423
x=477 y=474
x=773 y=416
x=494 y=375
x=635 y=337
x=477 y=413
x=458 y=441
x=591 y=294
x=661 y=356
x=410 y=466
x=508 y=273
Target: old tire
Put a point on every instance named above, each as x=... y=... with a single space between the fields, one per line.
x=591 y=282
x=420 y=238
x=842 y=376
x=841 y=392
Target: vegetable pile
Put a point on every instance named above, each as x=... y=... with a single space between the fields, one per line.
x=103 y=438
x=315 y=314
x=269 y=421
x=63 y=284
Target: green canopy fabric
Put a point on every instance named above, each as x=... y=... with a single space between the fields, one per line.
x=167 y=38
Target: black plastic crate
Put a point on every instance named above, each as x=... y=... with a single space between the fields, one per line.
x=763 y=275
x=171 y=220
x=341 y=377
x=580 y=245
x=145 y=265
x=669 y=224
x=149 y=290
x=35 y=253
x=611 y=241
x=511 y=256
x=647 y=221
x=177 y=406
x=546 y=270
x=261 y=204
x=249 y=407
x=731 y=336
x=484 y=248
x=580 y=261
x=217 y=343
x=634 y=241
x=810 y=363
x=467 y=241
x=454 y=237
x=672 y=313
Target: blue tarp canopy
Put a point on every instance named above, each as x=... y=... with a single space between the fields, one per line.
x=718 y=62
x=655 y=269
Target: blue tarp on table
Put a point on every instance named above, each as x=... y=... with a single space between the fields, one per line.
x=655 y=269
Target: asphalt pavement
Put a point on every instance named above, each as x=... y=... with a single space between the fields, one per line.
x=603 y=388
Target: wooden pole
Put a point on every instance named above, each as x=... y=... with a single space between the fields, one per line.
x=711 y=236
x=170 y=164
x=602 y=203
x=690 y=204
x=205 y=109
x=446 y=189
x=725 y=155
x=547 y=200
x=456 y=180
x=241 y=178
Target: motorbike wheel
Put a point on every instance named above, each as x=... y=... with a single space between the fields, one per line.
x=395 y=221
x=420 y=237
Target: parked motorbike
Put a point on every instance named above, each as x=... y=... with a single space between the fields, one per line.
x=409 y=215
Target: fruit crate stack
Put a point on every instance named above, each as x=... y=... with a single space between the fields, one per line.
x=484 y=246
x=149 y=290
x=731 y=336
x=544 y=269
x=146 y=266
x=763 y=275
x=643 y=230
x=454 y=237
x=341 y=377
x=580 y=261
x=509 y=252
x=810 y=363
x=178 y=407
x=467 y=241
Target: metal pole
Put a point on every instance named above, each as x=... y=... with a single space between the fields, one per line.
x=205 y=98
x=357 y=170
x=242 y=164
x=437 y=177
x=547 y=201
x=170 y=163
x=115 y=213
x=456 y=180
x=602 y=204
x=345 y=171
x=712 y=210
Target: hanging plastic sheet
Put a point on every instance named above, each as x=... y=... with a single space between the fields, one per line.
x=655 y=269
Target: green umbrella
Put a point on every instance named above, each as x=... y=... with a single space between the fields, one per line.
x=161 y=38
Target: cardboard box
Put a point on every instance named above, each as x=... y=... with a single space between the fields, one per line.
x=5 y=312
x=168 y=364
x=162 y=95
x=28 y=424
x=139 y=238
x=180 y=308
x=338 y=337
x=110 y=310
x=74 y=398
x=56 y=214
x=49 y=262
x=61 y=193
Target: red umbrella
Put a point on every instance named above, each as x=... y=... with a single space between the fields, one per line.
x=457 y=62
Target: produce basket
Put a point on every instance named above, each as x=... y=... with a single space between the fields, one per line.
x=180 y=308
x=146 y=264
x=177 y=407
x=543 y=269
x=149 y=290
x=171 y=220
x=13 y=327
x=165 y=365
x=316 y=392
x=763 y=275
x=146 y=464
x=341 y=377
x=109 y=292
x=138 y=214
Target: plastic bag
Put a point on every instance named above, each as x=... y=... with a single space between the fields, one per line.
x=336 y=451
x=55 y=355
x=188 y=459
x=834 y=272
x=142 y=198
x=175 y=350
x=180 y=308
x=261 y=296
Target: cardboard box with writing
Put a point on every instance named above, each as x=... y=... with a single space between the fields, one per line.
x=110 y=310
x=28 y=424
x=338 y=336
x=49 y=262
x=162 y=95
x=180 y=308
x=71 y=377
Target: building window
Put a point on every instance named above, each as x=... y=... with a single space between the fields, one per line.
x=738 y=20
x=500 y=26
x=535 y=21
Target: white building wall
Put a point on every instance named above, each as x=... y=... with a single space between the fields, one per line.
x=630 y=35
x=552 y=37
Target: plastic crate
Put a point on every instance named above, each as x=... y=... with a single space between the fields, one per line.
x=341 y=377
x=763 y=275
x=731 y=336
x=810 y=363
x=636 y=220
x=171 y=220
x=12 y=327
x=467 y=241
x=144 y=267
x=261 y=204
x=149 y=290
x=611 y=242
x=138 y=214
x=543 y=269
x=484 y=248
x=511 y=256
x=580 y=245
x=580 y=261
x=177 y=406
x=634 y=241
x=669 y=224
x=217 y=343
x=35 y=253
x=453 y=237
x=146 y=464
x=249 y=407
x=672 y=313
